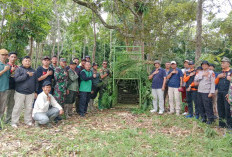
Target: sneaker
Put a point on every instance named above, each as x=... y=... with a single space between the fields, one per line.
x=160 y=112
x=29 y=124
x=185 y=113
x=14 y=126
x=197 y=116
x=189 y=116
x=153 y=111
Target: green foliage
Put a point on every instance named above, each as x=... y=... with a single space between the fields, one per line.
x=24 y=20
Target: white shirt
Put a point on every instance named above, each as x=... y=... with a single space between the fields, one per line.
x=42 y=104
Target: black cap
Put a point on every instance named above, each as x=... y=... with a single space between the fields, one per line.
x=191 y=63
x=71 y=62
x=46 y=57
x=46 y=83
x=83 y=59
x=87 y=56
x=212 y=65
x=26 y=57
x=204 y=62
x=199 y=68
x=95 y=64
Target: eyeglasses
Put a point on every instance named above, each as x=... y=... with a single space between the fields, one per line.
x=105 y=63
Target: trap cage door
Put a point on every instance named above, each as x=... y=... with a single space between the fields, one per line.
x=127 y=65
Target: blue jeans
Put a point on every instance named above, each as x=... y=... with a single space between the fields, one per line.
x=46 y=117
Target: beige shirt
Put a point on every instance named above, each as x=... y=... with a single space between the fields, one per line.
x=206 y=83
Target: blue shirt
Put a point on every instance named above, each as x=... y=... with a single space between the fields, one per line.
x=174 y=80
x=4 y=78
x=158 y=79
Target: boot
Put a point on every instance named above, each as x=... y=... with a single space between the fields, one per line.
x=100 y=104
x=66 y=109
x=90 y=107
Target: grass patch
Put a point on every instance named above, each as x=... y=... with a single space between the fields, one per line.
x=118 y=133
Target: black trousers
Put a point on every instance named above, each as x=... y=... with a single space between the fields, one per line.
x=191 y=97
x=77 y=102
x=83 y=102
x=205 y=106
x=95 y=90
x=223 y=106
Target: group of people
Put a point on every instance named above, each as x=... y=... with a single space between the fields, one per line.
x=53 y=88
x=49 y=91
x=201 y=86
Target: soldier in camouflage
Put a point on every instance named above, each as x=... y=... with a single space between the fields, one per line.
x=61 y=78
x=105 y=75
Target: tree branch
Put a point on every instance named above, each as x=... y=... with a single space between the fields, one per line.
x=94 y=8
x=132 y=11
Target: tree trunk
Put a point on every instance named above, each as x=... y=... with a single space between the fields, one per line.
x=84 y=46
x=36 y=55
x=53 y=45
x=199 y=31
x=95 y=38
x=31 y=47
x=3 y=19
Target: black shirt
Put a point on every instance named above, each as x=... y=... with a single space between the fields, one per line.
x=40 y=72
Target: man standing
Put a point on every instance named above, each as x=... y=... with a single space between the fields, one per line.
x=206 y=89
x=215 y=111
x=61 y=78
x=87 y=59
x=86 y=76
x=96 y=86
x=183 y=91
x=46 y=108
x=105 y=76
x=175 y=76
x=167 y=69
x=10 y=98
x=4 y=79
x=223 y=81
x=26 y=85
x=158 y=77
x=73 y=88
x=76 y=60
x=54 y=63
x=82 y=64
x=44 y=73
x=191 y=91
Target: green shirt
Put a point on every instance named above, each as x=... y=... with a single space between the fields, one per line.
x=4 y=78
x=86 y=81
x=72 y=80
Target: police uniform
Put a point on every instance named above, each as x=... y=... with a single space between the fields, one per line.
x=206 y=86
x=222 y=104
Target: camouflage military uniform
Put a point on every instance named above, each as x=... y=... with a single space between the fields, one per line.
x=61 y=85
x=104 y=71
x=103 y=87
